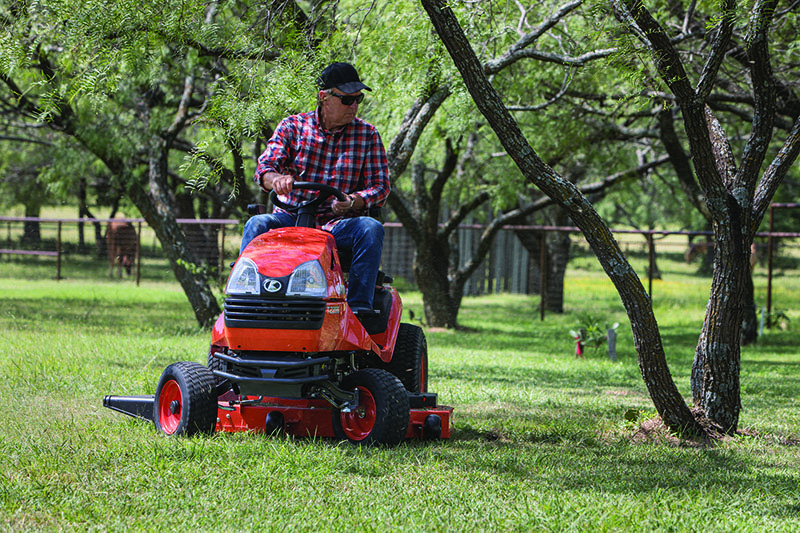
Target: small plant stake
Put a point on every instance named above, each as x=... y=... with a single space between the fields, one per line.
x=579 y=342
x=612 y=343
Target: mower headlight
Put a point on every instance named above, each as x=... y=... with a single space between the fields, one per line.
x=308 y=279
x=244 y=278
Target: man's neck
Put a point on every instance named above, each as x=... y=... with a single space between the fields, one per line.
x=324 y=123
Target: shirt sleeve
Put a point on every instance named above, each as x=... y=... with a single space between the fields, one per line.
x=277 y=153
x=375 y=173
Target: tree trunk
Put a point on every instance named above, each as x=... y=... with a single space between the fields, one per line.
x=157 y=208
x=749 y=313
x=716 y=367
x=556 y=259
x=558 y=247
x=32 y=233
x=431 y=272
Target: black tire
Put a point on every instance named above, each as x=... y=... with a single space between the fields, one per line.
x=382 y=415
x=185 y=401
x=410 y=358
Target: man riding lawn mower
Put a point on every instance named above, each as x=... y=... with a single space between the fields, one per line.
x=288 y=354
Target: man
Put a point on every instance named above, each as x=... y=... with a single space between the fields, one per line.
x=331 y=145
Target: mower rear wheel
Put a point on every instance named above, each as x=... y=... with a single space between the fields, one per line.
x=382 y=414
x=215 y=363
x=410 y=358
x=185 y=401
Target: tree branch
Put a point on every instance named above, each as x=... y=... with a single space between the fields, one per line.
x=755 y=150
x=516 y=51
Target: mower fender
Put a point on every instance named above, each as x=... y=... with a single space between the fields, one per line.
x=218 y=332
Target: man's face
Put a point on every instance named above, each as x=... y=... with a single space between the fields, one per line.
x=335 y=113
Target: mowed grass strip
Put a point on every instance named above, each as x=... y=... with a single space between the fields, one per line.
x=543 y=440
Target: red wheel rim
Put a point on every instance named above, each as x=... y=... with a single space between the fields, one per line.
x=169 y=421
x=358 y=423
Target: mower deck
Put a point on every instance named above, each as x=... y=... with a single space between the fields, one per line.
x=300 y=418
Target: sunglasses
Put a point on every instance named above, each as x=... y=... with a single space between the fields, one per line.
x=348 y=99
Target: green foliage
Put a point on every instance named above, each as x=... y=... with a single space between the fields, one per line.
x=590 y=333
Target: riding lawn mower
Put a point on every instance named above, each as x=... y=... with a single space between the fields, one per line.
x=289 y=355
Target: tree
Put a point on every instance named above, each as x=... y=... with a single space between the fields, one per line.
x=457 y=177
x=129 y=82
x=736 y=201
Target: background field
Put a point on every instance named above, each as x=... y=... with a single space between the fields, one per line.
x=542 y=440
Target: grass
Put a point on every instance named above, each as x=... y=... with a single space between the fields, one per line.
x=542 y=440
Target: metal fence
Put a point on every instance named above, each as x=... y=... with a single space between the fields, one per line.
x=77 y=248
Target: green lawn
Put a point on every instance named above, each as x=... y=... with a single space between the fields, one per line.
x=541 y=439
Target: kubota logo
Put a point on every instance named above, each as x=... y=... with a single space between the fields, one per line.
x=272 y=285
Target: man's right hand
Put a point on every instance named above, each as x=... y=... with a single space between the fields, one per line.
x=280 y=183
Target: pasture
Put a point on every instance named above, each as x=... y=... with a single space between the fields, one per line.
x=542 y=440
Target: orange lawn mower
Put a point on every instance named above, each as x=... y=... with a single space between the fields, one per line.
x=289 y=355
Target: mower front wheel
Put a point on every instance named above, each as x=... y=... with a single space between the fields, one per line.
x=382 y=414
x=185 y=400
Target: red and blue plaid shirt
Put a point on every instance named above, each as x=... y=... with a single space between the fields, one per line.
x=352 y=159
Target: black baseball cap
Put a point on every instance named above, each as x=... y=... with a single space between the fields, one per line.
x=342 y=76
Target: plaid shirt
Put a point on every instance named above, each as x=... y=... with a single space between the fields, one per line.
x=352 y=159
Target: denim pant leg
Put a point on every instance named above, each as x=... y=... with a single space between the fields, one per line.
x=364 y=235
x=259 y=224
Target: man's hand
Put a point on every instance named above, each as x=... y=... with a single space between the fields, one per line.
x=340 y=207
x=280 y=183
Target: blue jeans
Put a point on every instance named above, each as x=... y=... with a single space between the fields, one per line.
x=362 y=235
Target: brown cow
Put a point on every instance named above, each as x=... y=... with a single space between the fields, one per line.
x=122 y=247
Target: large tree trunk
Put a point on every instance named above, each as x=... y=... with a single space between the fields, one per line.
x=557 y=247
x=32 y=233
x=749 y=313
x=715 y=371
x=431 y=272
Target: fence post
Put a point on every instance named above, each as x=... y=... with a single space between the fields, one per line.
x=542 y=273
x=769 y=262
x=138 y=253
x=58 y=253
x=611 y=336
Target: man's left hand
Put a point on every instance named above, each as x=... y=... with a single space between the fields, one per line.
x=342 y=207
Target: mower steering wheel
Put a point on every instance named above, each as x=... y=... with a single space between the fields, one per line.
x=325 y=192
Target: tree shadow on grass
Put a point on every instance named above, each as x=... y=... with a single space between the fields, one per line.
x=585 y=465
x=526 y=377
